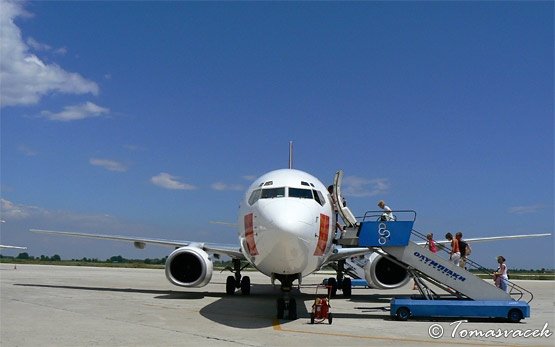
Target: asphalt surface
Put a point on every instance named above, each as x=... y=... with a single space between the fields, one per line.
x=85 y=306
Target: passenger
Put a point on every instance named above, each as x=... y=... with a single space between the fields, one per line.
x=455 y=255
x=431 y=246
x=430 y=243
x=465 y=249
x=501 y=276
x=388 y=213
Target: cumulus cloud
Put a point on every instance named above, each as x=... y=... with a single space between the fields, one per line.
x=359 y=187
x=525 y=209
x=167 y=181
x=108 y=164
x=224 y=186
x=76 y=112
x=15 y=211
x=25 y=77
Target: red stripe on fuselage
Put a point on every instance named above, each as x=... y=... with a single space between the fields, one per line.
x=324 y=233
x=249 y=234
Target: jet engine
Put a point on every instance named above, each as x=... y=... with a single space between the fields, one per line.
x=189 y=267
x=382 y=273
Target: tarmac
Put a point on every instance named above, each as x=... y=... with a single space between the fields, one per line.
x=44 y=305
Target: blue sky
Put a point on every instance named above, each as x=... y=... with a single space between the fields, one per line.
x=151 y=118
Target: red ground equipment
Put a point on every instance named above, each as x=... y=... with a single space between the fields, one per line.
x=321 y=307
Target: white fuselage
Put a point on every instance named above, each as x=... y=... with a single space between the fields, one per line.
x=286 y=223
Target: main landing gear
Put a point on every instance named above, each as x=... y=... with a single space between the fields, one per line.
x=235 y=282
x=286 y=302
x=339 y=282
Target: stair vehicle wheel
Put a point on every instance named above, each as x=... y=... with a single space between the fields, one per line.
x=514 y=316
x=292 y=310
x=402 y=313
x=332 y=282
x=230 y=285
x=280 y=308
x=330 y=318
x=245 y=285
x=346 y=287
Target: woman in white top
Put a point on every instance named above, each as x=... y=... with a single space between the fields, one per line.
x=500 y=276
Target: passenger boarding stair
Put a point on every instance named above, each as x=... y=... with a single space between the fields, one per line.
x=392 y=240
x=446 y=272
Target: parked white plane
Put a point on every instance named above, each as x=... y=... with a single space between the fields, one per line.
x=286 y=231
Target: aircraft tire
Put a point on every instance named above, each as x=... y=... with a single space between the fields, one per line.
x=292 y=309
x=346 y=287
x=245 y=285
x=280 y=308
x=230 y=285
x=332 y=282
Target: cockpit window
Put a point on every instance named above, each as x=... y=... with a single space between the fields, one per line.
x=255 y=195
x=300 y=193
x=271 y=193
x=319 y=197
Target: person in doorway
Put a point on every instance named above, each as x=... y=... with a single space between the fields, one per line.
x=501 y=276
x=464 y=248
x=387 y=214
x=455 y=254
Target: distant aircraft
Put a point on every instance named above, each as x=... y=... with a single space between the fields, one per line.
x=287 y=227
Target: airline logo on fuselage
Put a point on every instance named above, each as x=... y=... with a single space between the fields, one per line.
x=439 y=267
x=249 y=234
x=323 y=235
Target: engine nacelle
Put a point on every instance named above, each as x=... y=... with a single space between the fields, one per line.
x=189 y=267
x=382 y=273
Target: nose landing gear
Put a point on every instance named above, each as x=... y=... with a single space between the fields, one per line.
x=286 y=302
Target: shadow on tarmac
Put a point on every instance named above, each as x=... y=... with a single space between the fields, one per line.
x=256 y=311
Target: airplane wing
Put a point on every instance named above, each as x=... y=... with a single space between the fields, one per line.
x=140 y=242
x=492 y=238
x=12 y=247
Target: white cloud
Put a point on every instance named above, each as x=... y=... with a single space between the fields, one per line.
x=167 y=181
x=223 y=186
x=14 y=211
x=76 y=112
x=525 y=209
x=108 y=164
x=359 y=187
x=39 y=46
x=25 y=77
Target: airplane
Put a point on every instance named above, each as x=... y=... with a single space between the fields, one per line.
x=286 y=230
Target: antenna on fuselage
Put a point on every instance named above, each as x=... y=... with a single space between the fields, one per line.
x=290 y=154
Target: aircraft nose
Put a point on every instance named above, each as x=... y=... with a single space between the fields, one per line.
x=296 y=219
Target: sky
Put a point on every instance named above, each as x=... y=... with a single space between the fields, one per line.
x=152 y=118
